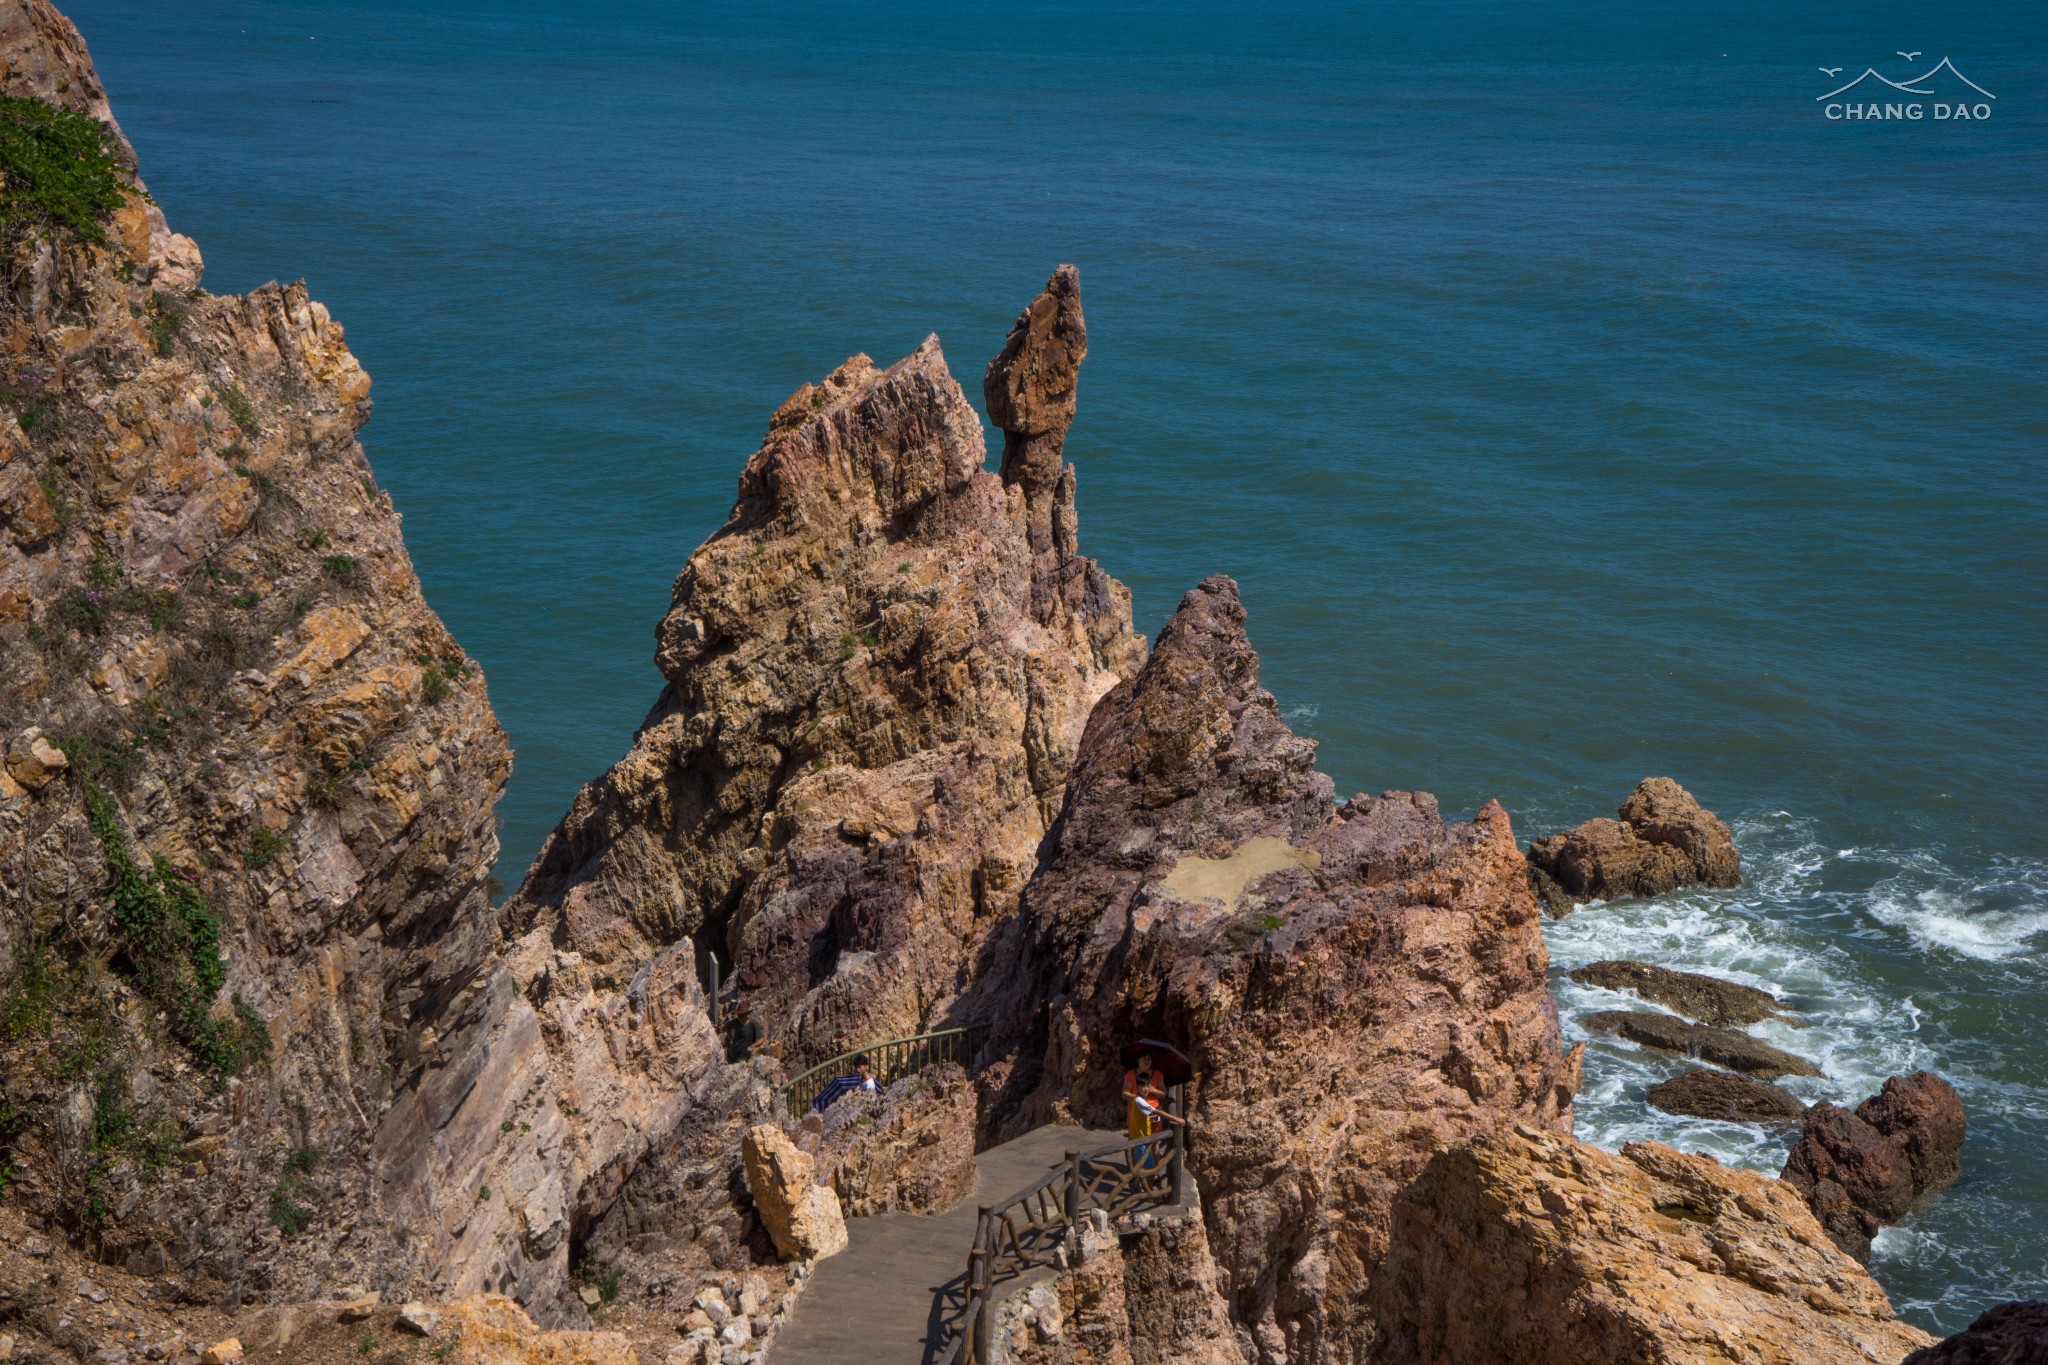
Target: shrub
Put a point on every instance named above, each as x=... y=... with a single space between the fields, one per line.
x=434 y=688
x=340 y=568
x=166 y=322
x=58 y=171
x=240 y=409
x=264 y=846
x=170 y=946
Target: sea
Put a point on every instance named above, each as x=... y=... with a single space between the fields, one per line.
x=1578 y=393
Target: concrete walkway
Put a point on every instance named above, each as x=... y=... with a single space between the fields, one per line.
x=878 y=1302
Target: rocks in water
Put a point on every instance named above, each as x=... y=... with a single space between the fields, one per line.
x=1708 y=999
x=1724 y=1047
x=1360 y=984
x=2010 y=1334
x=801 y=1213
x=1527 y=1247
x=1663 y=840
x=1862 y=1170
x=1711 y=1094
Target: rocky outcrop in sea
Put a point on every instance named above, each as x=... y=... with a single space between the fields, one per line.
x=281 y=1078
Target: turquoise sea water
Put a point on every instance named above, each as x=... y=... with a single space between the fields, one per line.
x=1573 y=399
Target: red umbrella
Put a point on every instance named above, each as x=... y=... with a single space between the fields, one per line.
x=1169 y=1061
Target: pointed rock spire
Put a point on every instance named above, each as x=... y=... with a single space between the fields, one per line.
x=1030 y=390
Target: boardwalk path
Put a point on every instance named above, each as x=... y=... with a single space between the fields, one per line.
x=876 y=1303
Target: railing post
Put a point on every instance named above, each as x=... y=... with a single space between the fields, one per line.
x=1073 y=1189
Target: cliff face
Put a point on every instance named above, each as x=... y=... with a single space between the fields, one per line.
x=1359 y=985
x=246 y=823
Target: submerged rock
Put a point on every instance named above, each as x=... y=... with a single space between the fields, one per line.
x=2010 y=1334
x=1707 y=999
x=1531 y=1248
x=1862 y=1170
x=1711 y=1094
x=1663 y=840
x=1722 y=1046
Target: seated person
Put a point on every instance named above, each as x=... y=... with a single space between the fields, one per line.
x=863 y=1081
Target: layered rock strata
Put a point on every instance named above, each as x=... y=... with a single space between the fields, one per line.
x=1525 y=1247
x=1360 y=985
x=246 y=821
x=1662 y=840
x=1861 y=1170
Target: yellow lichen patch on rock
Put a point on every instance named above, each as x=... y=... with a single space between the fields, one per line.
x=1223 y=880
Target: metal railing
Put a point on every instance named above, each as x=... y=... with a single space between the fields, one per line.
x=891 y=1060
x=1028 y=1229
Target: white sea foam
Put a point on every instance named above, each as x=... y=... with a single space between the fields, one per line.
x=1938 y=918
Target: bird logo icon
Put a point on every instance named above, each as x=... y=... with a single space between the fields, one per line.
x=1831 y=71
x=1909 y=56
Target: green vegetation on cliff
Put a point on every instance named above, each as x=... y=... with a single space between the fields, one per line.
x=58 y=170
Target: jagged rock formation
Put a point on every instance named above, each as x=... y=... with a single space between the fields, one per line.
x=1710 y=1094
x=1707 y=999
x=250 y=776
x=1726 y=1047
x=1360 y=985
x=2010 y=1334
x=876 y=684
x=1526 y=1247
x=1864 y=1169
x=1663 y=840
x=878 y=671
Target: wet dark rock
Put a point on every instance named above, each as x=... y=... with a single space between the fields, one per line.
x=1725 y=1047
x=1862 y=1170
x=1712 y=1094
x=2010 y=1334
x=1707 y=999
x=1663 y=840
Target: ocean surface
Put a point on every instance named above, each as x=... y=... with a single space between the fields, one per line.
x=1573 y=399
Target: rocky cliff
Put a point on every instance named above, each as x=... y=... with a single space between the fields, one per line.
x=1360 y=985
x=246 y=820
x=878 y=672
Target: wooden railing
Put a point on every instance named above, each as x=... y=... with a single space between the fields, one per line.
x=891 y=1060
x=1027 y=1229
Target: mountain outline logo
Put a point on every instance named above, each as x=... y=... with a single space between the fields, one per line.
x=1964 y=109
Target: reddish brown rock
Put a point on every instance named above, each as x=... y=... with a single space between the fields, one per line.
x=1360 y=985
x=1663 y=840
x=1862 y=1170
x=2010 y=1334
x=1529 y=1248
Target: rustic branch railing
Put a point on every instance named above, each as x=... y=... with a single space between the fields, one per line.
x=1027 y=1229
x=891 y=1060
